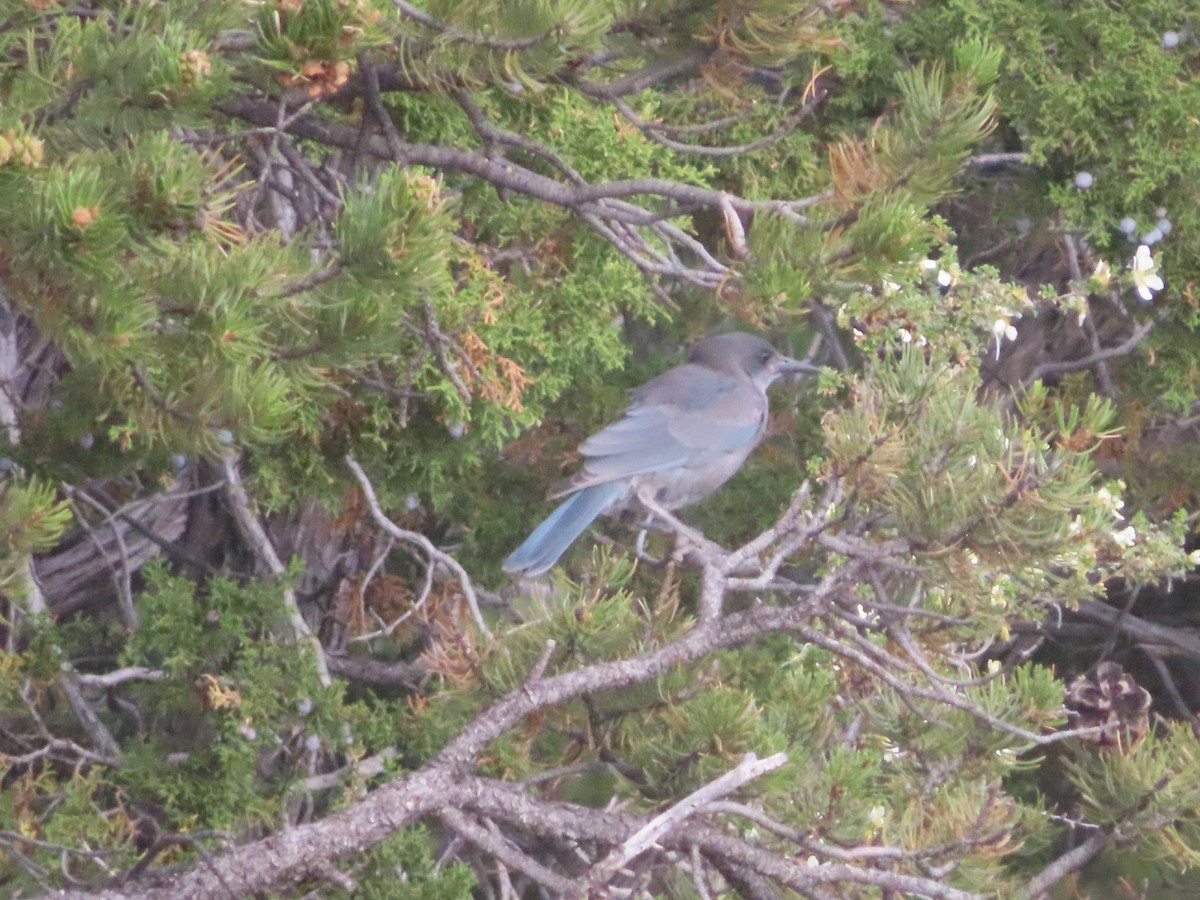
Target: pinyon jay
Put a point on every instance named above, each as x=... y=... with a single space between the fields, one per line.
x=685 y=434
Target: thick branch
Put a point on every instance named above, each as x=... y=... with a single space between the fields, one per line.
x=1180 y=641
x=1074 y=365
x=375 y=672
x=715 y=634
x=1071 y=861
x=650 y=834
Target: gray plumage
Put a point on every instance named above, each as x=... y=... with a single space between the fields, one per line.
x=685 y=433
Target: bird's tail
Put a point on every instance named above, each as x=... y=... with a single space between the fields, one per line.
x=550 y=540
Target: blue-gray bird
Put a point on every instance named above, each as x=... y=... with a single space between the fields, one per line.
x=685 y=434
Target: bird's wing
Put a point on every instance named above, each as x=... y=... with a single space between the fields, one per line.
x=685 y=416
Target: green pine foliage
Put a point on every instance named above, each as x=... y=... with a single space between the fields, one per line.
x=1146 y=791
x=32 y=519
x=1101 y=89
x=288 y=232
x=404 y=867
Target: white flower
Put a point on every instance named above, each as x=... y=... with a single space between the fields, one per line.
x=1108 y=501
x=1145 y=274
x=1078 y=303
x=1003 y=329
x=1194 y=557
x=998 y=598
x=890 y=288
x=905 y=336
x=877 y=815
x=1101 y=275
x=1125 y=537
x=944 y=279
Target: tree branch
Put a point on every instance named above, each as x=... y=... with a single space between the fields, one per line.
x=256 y=537
x=1071 y=861
x=648 y=835
x=602 y=205
x=435 y=554
x=1054 y=367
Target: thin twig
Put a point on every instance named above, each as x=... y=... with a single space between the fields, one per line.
x=502 y=849
x=657 y=133
x=256 y=536
x=828 y=328
x=995 y=159
x=414 y=537
x=1179 y=640
x=1100 y=369
x=120 y=572
x=379 y=111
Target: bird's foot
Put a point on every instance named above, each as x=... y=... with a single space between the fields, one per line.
x=639 y=548
x=685 y=534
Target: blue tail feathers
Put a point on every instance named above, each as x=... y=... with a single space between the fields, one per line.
x=559 y=530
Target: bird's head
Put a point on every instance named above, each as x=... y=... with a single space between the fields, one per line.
x=746 y=356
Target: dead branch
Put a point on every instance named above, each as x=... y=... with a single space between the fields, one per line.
x=434 y=554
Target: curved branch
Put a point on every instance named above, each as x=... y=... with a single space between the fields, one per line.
x=446 y=787
x=1054 y=367
x=658 y=133
x=506 y=174
x=607 y=207
x=654 y=74
x=435 y=554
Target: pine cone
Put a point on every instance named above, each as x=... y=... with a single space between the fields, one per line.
x=1111 y=700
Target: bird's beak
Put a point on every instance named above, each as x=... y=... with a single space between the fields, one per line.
x=786 y=365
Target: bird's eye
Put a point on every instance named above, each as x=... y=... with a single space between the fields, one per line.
x=764 y=356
